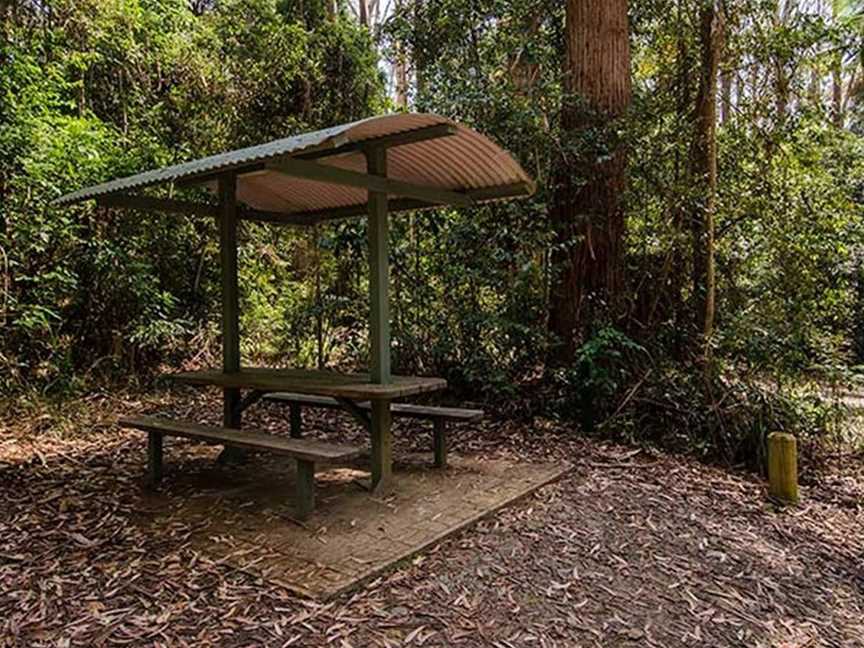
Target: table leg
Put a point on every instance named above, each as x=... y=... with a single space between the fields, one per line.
x=154 y=458
x=382 y=446
x=296 y=421
x=231 y=418
x=305 y=489
x=439 y=433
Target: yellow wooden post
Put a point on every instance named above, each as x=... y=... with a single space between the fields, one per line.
x=783 y=466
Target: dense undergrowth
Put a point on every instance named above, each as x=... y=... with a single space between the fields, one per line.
x=720 y=411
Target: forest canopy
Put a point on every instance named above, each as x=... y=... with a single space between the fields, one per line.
x=694 y=247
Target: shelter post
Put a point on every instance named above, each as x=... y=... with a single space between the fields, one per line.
x=379 y=271
x=379 y=319
x=230 y=303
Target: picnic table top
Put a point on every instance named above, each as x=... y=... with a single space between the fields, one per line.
x=355 y=386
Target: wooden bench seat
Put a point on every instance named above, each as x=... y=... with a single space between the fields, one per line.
x=307 y=452
x=439 y=416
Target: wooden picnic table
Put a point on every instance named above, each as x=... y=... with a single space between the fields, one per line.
x=347 y=389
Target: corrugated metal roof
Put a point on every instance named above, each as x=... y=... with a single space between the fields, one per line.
x=461 y=162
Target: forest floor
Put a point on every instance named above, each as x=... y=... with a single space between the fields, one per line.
x=630 y=548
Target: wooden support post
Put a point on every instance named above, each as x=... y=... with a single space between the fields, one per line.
x=305 y=489
x=231 y=411
x=379 y=322
x=783 y=466
x=382 y=446
x=379 y=272
x=439 y=434
x=154 y=457
x=228 y=258
x=296 y=421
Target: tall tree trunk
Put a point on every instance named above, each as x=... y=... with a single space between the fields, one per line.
x=728 y=74
x=815 y=89
x=726 y=94
x=400 y=74
x=419 y=62
x=586 y=213
x=836 y=76
x=524 y=70
x=781 y=90
x=703 y=160
x=837 y=91
x=782 y=81
x=6 y=17
x=853 y=88
x=362 y=12
x=400 y=69
x=672 y=290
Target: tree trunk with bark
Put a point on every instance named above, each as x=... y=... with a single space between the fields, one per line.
x=400 y=70
x=726 y=94
x=815 y=89
x=703 y=161
x=837 y=91
x=836 y=76
x=524 y=70
x=586 y=211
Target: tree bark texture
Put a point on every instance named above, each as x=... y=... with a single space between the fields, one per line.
x=703 y=161
x=586 y=212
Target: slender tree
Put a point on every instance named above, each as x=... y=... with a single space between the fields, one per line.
x=726 y=76
x=586 y=211
x=783 y=15
x=524 y=70
x=837 y=72
x=400 y=70
x=703 y=161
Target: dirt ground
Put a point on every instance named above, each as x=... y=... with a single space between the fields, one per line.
x=629 y=549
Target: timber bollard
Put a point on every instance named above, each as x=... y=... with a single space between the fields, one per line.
x=783 y=466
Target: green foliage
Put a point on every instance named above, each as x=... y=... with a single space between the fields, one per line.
x=788 y=222
x=725 y=415
x=603 y=367
x=94 y=90
x=792 y=271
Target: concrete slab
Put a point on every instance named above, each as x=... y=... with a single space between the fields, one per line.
x=244 y=516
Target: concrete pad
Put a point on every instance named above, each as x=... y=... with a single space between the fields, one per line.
x=244 y=516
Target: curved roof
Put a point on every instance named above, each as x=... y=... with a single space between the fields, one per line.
x=423 y=149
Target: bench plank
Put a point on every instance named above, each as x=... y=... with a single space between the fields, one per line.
x=302 y=449
x=401 y=410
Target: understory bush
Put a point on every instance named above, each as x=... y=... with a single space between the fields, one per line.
x=723 y=416
x=718 y=411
